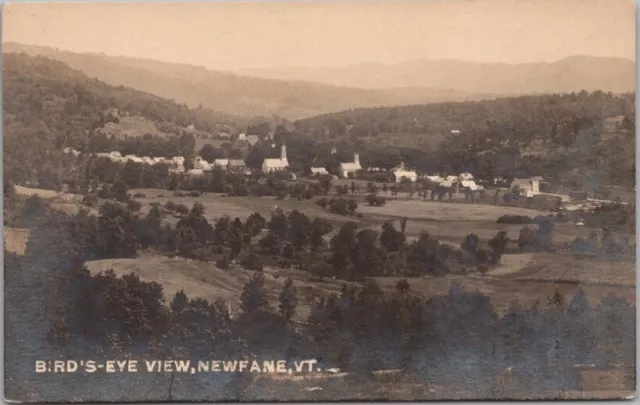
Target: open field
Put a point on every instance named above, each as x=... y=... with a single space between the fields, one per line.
x=444 y=211
x=217 y=205
x=503 y=285
x=15 y=240
x=205 y=280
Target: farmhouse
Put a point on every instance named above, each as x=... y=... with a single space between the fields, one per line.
x=68 y=150
x=318 y=171
x=276 y=165
x=350 y=167
x=195 y=172
x=236 y=165
x=470 y=185
x=435 y=178
x=526 y=187
x=402 y=173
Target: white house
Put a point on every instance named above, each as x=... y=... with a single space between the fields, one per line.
x=318 y=171
x=68 y=150
x=236 y=165
x=435 y=178
x=195 y=172
x=471 y=185
x=350 y=167
x=276 y=165
x=465 y=176
x=242 y=137
x=402 y=173
x=527 y=187
x=222 y=163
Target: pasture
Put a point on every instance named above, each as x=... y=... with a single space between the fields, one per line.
x=217 y=205
x=528 y=278
x=205 y=280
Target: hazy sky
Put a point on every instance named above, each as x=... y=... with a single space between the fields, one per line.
x=255 y=35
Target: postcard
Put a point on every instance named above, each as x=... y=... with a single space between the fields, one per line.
x=319 y=201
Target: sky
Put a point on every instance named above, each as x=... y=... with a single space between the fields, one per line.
x=234 y=35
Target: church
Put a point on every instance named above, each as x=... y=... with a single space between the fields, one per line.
x=350 y=167
x=276 y=165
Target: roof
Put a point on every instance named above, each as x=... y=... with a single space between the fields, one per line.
x=446 y=183
x=253 y=139
x=521 y=182
x=221 y=162
x=471 y=185
x=350 y=166
x=275 y=163
x=319 y=170
x=405 y=173
x=538 y=178
x=466 y=176
x=236 y=162
x=436 y=179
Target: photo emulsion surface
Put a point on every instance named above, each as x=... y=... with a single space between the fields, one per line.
x=319 y=201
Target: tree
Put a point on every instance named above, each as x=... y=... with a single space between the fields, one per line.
x=179 y=302
x=319 y=228
x=254 y=296
x=470 y=243
x=391 y=239
x=210 y=153
x=288 y=300
x=299 y=230
x=342 y=245
x=322 y=202
x=116 y=237
x=352 y=206
x=119 y=192
x=498 y=245
x=255 y=224
x=527 y=239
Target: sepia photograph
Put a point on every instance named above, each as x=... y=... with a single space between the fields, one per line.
x=234 y=201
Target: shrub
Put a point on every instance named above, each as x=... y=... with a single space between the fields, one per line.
x=322 y=202
x=515 y=219
x=339 y=206
x=252 y=262
x=352 y=206
x=223 y=263
x=90 y=200
x=376 y=200
x=195 y=193
x=170 y=206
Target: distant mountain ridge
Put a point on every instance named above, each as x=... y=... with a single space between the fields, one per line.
x=233 y=94
x=570 y=74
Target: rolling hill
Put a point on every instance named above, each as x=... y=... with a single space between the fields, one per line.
x=571 y=74
x=235 y=94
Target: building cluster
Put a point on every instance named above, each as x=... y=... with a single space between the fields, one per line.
x=527 y=187
x=175 y=164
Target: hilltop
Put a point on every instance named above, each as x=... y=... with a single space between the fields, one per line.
x=568 y=75
x=237 y=94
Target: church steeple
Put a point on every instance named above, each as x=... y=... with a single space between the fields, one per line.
x=283 y=152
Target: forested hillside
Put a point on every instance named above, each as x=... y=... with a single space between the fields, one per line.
x=47 y=105
x=529 y=115
x=560 y=136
